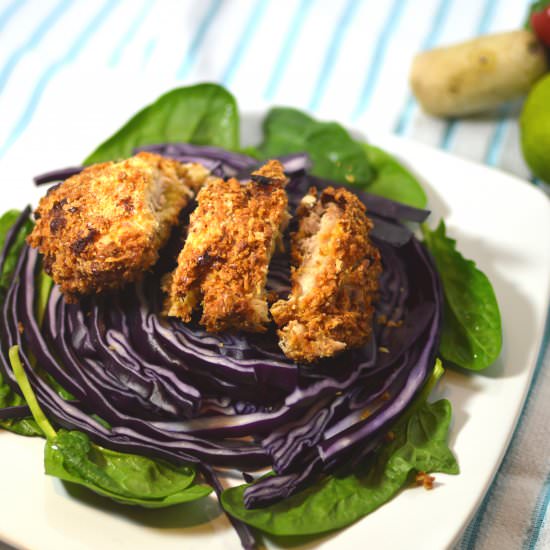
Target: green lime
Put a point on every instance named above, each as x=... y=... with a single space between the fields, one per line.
x=535 y=129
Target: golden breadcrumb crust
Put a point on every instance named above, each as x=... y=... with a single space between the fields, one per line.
x=334 y=278
x=232 y=235
x=103 y=227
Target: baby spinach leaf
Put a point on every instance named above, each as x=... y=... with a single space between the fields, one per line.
x=126 y=478
x=334 y=154
x=472 y=331
x=392 y=180
x=420 y=444
x=6 y=222
x=205 y=114
x=252 y=151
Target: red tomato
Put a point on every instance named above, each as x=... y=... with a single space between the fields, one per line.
x=540 y=21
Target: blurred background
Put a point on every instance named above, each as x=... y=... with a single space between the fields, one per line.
x=66 y=65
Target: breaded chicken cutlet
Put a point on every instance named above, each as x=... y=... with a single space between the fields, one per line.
x=104 y=226
x=223 y=265
x=334 y=278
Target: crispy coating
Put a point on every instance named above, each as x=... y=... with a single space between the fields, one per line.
x=232 y=235
x=103 y=227
x=334 y=278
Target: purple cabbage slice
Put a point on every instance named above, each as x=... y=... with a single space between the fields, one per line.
x=15 y=412
x=57 y=175
x=220 y=162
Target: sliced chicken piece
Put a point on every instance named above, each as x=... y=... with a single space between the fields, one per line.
x=104 y=226
x=334 y=278
x=232 y=236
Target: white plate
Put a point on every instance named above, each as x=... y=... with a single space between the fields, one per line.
x=498 y=220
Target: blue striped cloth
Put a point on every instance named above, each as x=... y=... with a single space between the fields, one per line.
x=65 y=63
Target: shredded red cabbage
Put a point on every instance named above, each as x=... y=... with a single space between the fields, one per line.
x=171 y=390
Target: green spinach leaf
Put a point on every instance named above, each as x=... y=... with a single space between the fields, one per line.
x=205 y=114
x=126 y=478
x=392 y=180
x=420 y=444
x=334 y=154
x=472 y=331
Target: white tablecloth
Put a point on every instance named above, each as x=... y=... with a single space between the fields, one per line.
x=342 y=60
